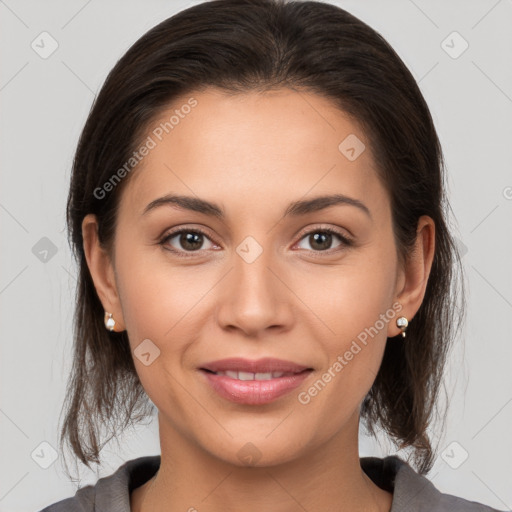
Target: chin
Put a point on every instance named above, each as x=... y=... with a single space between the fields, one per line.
x=256 y=453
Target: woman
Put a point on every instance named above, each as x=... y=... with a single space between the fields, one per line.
x=258 y=213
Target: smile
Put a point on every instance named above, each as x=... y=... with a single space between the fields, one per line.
x=253 y=388
x=240 y=375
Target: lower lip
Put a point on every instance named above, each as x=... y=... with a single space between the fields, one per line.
x=254 y=392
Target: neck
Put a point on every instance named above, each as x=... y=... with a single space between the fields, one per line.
x=327 y=477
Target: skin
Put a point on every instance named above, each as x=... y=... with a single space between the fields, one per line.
x=254 y=154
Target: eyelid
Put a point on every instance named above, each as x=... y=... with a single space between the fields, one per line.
x=348 y=238
x=185 y=229
x=345 y=239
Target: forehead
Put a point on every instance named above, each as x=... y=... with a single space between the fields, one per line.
x=250 y=148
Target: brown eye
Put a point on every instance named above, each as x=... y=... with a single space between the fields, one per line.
x=190 y=241
x=321 y=240
x=186 y=240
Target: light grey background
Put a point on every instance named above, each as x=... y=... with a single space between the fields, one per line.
x=44 y=106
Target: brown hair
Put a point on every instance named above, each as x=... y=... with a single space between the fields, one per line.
x=246 y=45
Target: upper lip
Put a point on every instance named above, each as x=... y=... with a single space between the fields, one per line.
x=264 y=365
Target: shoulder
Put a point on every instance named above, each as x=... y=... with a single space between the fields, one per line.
x=112 y=492
x=413 y=492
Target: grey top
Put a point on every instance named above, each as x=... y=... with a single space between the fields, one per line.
x=412 y=492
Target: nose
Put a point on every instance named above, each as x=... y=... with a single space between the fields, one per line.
x=255 y=297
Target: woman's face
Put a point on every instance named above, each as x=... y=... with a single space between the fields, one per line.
x=260 y=282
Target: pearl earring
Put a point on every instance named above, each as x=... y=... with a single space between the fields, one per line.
x=402 y=323
x=109 y=321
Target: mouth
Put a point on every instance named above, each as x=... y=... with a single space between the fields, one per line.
x=260 y=369
x=256 y=382
x=245 y=376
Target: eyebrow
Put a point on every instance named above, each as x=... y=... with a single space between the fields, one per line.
x=294 y=209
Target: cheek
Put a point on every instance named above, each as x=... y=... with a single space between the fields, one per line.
x=163 y=303
x=354 y=304
x=350 y=297
x=153 y=296
x=358 y=317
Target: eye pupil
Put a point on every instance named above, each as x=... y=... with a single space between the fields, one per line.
x=323 y=239
x=191 y=241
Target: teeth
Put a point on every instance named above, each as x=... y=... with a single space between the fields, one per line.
x=263 y=376
x=252 y=376
x=275 y=375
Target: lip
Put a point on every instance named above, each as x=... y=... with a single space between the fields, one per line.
x=254 y=392
x=264 y=365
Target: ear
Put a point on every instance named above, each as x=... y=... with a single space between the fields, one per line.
x=102 y=271
x=413 y=277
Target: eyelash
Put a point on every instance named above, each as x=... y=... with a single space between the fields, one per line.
x=347 y=242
